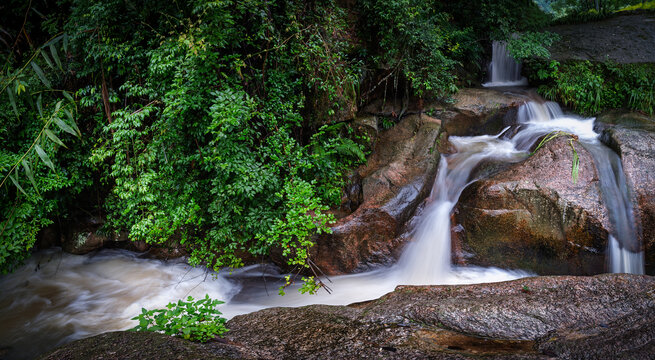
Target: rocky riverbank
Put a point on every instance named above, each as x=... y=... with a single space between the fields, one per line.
x=605 y=316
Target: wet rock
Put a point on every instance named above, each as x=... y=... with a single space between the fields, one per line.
x=478 y=112
x=525 y=309
x=533 y=318
x=144 y=346
x=48 y=237
x=532 y=216
x=383 y=195
x=396 y=178
x=633 y=138
x=624 y=119
x=85 y=236
x=367 y=126
x=629 y=337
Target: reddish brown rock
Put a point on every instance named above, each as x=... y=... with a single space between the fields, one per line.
x=397 y=177
x=532 y=216
x=384 y=194
x=608 y=316
x=478 y=111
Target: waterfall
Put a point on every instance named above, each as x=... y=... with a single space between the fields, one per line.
x=624 y=250
x=71 y=297
x=427 y=259
x=504 y=70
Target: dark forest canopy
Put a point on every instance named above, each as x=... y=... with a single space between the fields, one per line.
x=219 y=125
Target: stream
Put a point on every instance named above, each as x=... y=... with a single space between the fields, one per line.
x=56 y=298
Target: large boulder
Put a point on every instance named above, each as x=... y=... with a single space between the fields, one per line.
x=633 y=138
x=606 y=316
x=532 y=215
x=396 y=178
x=478 y=111
x=384 y=194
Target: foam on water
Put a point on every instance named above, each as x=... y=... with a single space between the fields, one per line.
x=56 y=298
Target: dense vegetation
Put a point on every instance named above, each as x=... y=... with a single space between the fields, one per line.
x=218 y=125
x=591 y=88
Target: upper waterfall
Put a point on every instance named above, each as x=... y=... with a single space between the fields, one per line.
x=504 y=70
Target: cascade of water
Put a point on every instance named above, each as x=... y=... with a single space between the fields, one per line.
x=504 y=70
x=624 y=250
x=427 y=259
x=77 y=297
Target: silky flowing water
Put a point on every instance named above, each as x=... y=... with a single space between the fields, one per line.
x=57 y=298
x=503 y=69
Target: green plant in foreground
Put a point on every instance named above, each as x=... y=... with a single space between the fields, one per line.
x=195 y=320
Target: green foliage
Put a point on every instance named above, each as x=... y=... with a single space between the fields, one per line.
x=195 y=320
x=219 y=125
x=505 y=17
x=648 y=5
x=590 y=88
x=577 y=11
x=531 y=44
x=33 y=134
x=213 y=141
x=419 y=43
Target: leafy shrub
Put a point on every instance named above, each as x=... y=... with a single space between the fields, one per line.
x=195 y=320
x=417 y=42
x=35 y=126
x=531 y=44
x=590 y=88
x=219 y=125
x=648 y=5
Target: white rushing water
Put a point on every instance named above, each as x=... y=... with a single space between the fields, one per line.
x=503 y=69
x=56 y=298
x=625 y=254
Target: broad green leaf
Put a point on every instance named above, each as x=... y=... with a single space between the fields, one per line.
x=62 y=125
x=53 y=41
x=44 y=157
x=20 y=87
x=39 y=105
x=54 y=138
x=72 y=122
x=55 y=55
x=12 y=100
x=68 y=96
x=30 y=174
x=13 y=179
x=65 y=42
x=41 y=75
x=47 y=60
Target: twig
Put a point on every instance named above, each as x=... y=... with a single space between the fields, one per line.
x=22 y=28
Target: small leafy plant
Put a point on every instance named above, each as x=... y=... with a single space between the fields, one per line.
x=575 y=163
x=195 y=320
